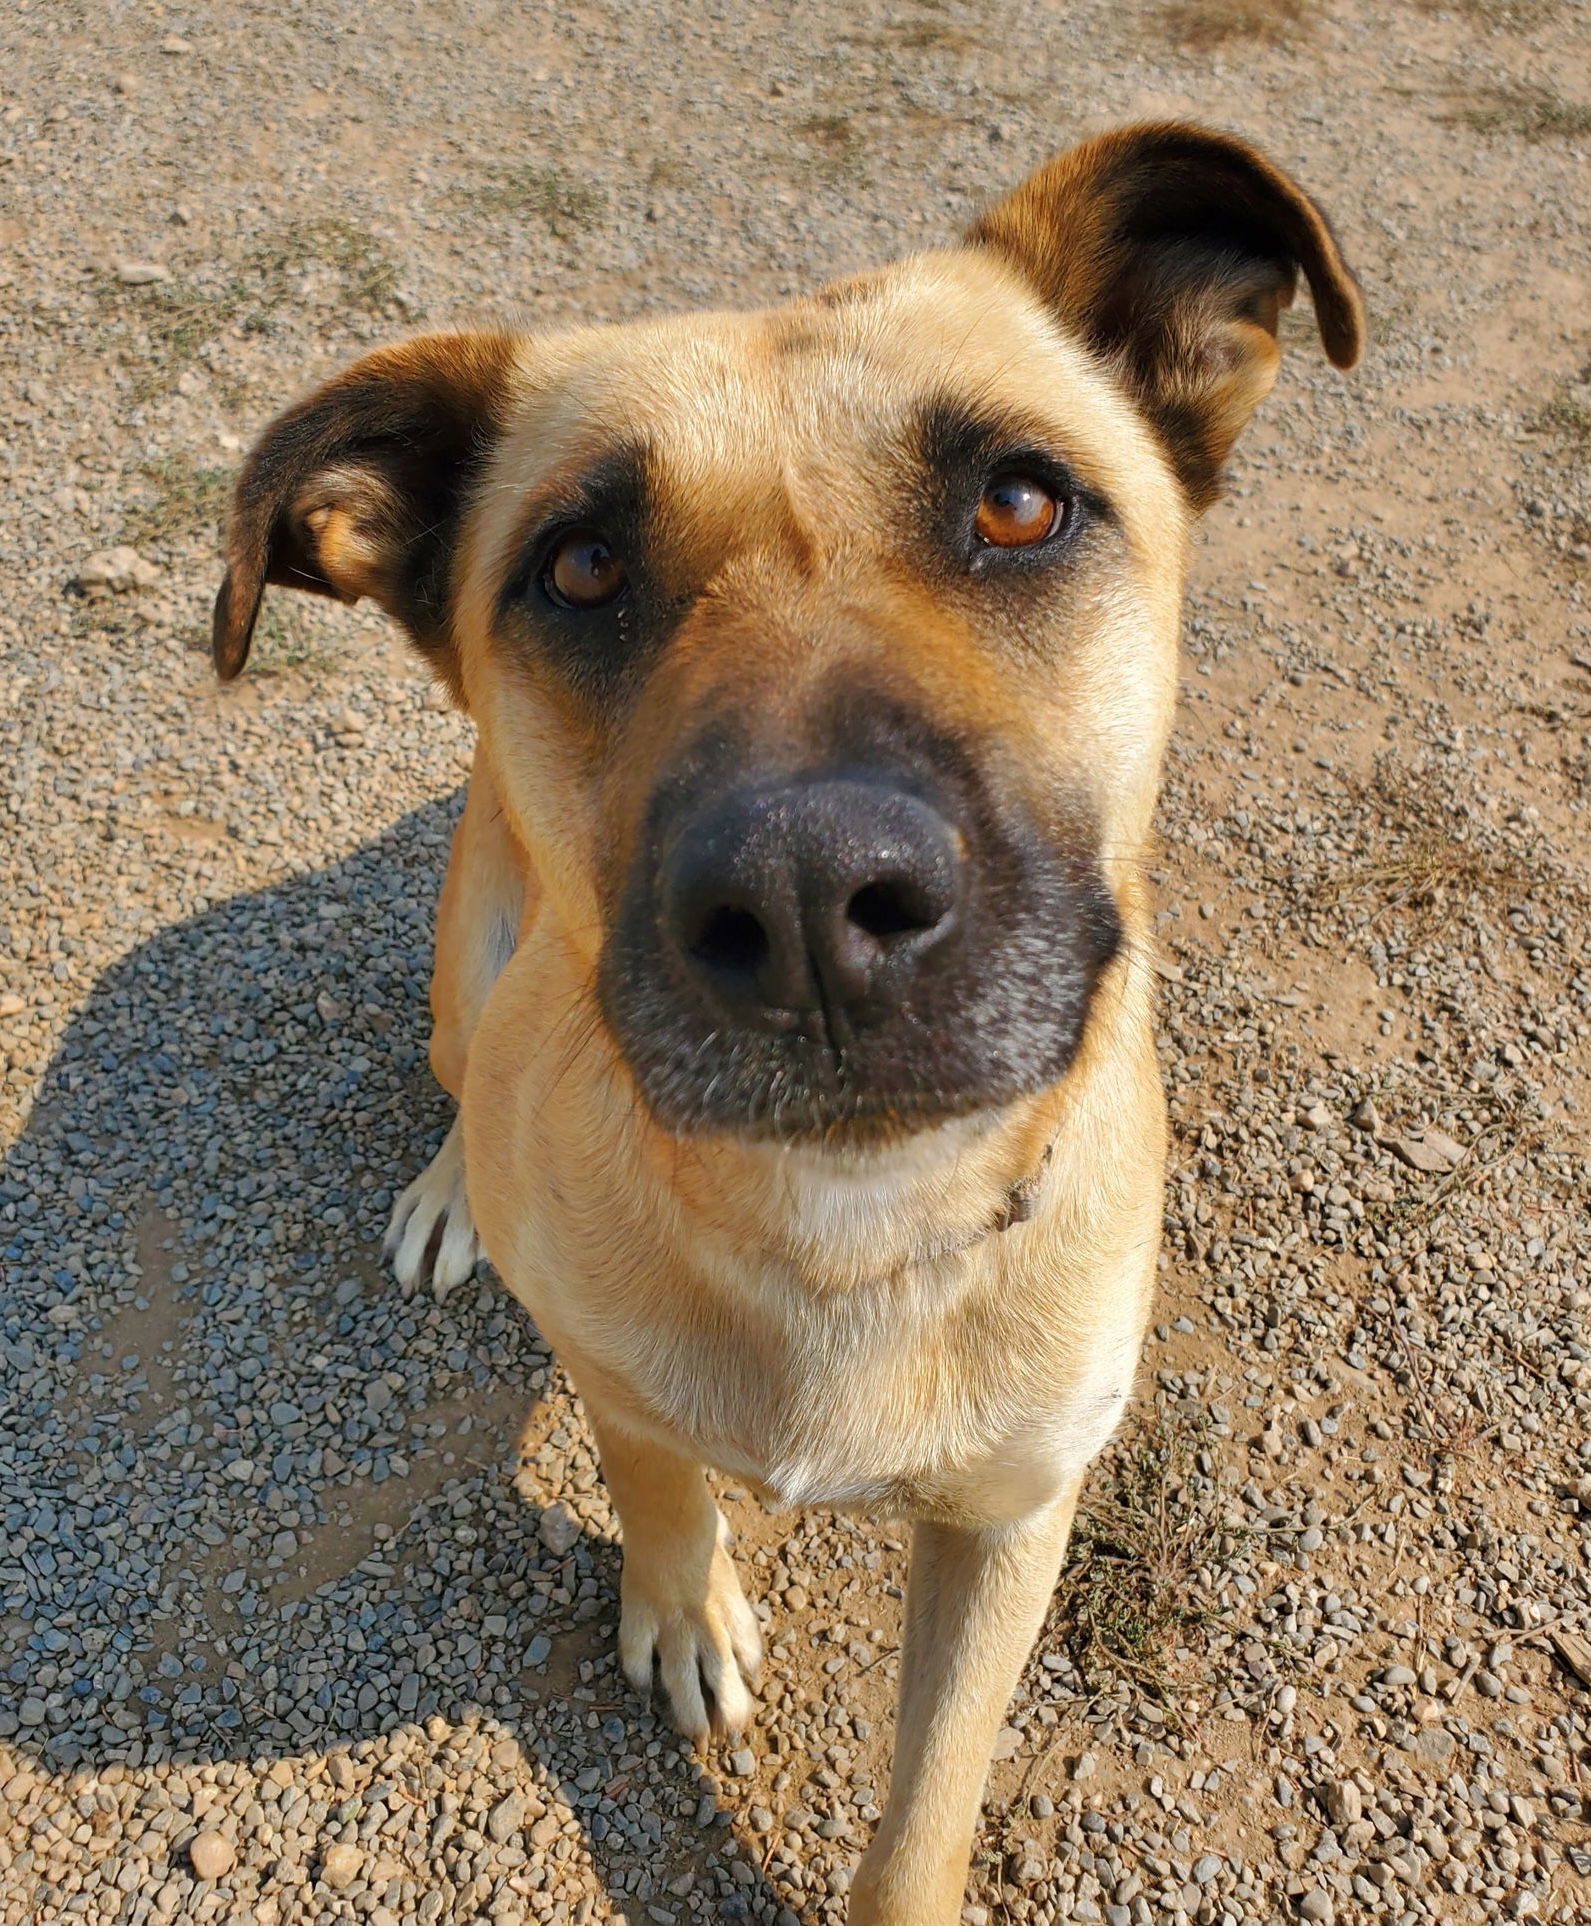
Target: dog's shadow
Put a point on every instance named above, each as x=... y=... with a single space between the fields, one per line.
x=256 y=1505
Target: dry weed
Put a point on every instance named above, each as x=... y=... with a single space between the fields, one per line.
x=543 y=193
x=1128 y=1596
x=1203 y=25
x=1520 y=111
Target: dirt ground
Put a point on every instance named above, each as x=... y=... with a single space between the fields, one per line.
x=287 y=1634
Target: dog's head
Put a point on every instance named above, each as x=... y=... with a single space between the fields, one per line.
x=826 y=655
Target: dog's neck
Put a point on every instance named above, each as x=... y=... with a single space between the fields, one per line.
x=845 y=1220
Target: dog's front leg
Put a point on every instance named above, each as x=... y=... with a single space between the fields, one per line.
x=976 y=1599
x=431 y=1236
x=681 y=1606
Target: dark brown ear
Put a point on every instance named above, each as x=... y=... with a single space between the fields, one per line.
x=1171 y=251
x=358 y=490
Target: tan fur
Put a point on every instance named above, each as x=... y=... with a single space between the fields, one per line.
x=842 y=1324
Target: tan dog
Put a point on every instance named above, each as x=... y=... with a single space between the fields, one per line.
x=791 y=963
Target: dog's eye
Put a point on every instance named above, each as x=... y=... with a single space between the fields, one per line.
x=582 y=572
x=1016 y=512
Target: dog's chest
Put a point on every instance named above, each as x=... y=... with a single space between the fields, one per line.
x=894 y=1398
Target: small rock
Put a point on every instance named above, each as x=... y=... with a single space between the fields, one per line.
x=506 y=1818
x=141 y=274
x=538 y=1651
x=1316 y=1905
x=175 y=45
x=1007 y=1742
x=11 y=1005
x=341 y=1865
x=118 y=569
x=211 y=1855
x=743 y=1763
x=1429 y=1151
x=1365 y=1116
x=1342 y=1802
x=558 y=1530
x=1085 y=1765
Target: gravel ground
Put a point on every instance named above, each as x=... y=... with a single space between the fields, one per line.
x=288 y=1632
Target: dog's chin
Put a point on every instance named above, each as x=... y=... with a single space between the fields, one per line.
x=696 y=1087
x=852 y=1128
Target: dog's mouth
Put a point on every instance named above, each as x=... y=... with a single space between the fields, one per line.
x=854 y=951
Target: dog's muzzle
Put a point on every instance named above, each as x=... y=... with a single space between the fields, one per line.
x=869 y=946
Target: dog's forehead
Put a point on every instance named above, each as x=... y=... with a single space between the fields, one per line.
x=801 y=387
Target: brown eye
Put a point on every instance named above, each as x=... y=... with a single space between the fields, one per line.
x=582 y=571
x=1016 y=512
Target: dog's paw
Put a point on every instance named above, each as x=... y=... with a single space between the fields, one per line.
x=431 y=1235
x=699 y=1634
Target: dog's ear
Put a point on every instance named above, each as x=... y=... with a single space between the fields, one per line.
x=1171 y=251
x=359 y=490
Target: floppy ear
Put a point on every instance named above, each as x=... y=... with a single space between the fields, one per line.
x=359 y=490
x=1171 y=251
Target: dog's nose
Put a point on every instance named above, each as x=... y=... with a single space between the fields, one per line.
x=819 y=893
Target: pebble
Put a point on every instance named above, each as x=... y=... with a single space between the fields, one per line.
x=1342 y=1802
x=558 y=1529
x=141 y=274
x=506 y=1818
x=212 y=1855
x=340 y=1865
x=118 y=569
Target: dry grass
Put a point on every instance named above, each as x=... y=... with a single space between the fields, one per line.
x=367 y=278
x=177 y=319
x=285 y=638
x=1128 y=1597
x=1567 y=419
x=668 y=170
x=1517 y=15
x=921 y=36
x=836 y=144
x=1428 y=864
x=564 y=205
x=1519 y=111
x=1203 y=25
x=1435 y=874
x=188 y=499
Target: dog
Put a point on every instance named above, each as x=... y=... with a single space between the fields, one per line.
x=793 y=966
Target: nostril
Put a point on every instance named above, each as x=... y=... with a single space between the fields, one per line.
x=731 y=940
x=882 y=910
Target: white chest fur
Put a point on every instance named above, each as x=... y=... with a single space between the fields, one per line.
x=980 y=1381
